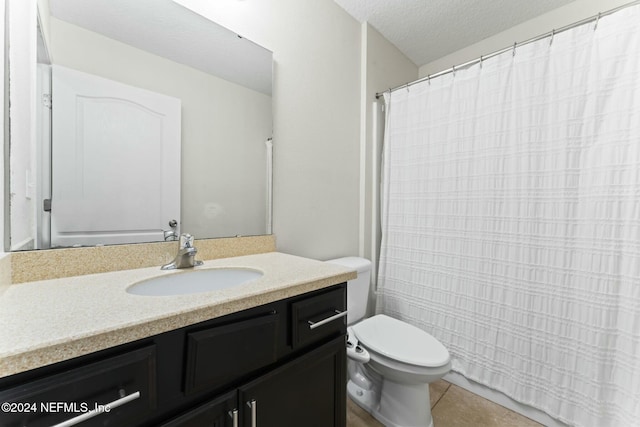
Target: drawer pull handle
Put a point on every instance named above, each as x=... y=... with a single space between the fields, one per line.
x=234 y=416
x=99 y=410
x=339 y=314
x=253 y=405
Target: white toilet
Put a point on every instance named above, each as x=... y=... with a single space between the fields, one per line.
x=391 y=363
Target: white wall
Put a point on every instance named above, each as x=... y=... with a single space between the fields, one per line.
x=2 y=123
x=5 y=268
x=44 y=14
x=557 y=18
x=22 y=54
x=316 y=47
x=224 y=127
x=384 y=67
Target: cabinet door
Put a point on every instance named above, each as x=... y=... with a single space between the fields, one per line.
x=219 y=355
x=219 y=412
x=309 y=391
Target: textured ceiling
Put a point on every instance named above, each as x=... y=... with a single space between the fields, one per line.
x=167 y=29
x=426 y=30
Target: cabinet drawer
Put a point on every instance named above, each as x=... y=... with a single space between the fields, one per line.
x=221 y=354
x=318 y=317
x=124 y=386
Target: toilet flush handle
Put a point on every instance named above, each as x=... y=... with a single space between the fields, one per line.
x=338 y=315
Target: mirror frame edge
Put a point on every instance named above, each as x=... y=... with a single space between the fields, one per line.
x=6 y=132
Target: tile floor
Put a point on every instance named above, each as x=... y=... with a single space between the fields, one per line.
x=452 y=406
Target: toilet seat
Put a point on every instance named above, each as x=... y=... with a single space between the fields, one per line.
x=401 y=342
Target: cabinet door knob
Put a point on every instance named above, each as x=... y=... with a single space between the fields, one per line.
x=99 y=410
x=253 y=405
x=339 y=314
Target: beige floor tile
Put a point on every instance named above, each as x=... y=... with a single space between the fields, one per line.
x=460 y=408
x=358 y=417
x=437 y=390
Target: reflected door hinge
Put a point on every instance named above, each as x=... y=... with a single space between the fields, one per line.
x=46 y=100
x=46 y=205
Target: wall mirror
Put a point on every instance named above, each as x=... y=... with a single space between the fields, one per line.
x=78 y=175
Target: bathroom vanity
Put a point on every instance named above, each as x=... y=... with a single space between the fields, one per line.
x=280 y=362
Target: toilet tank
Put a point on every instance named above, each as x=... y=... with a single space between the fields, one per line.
x=358 y=288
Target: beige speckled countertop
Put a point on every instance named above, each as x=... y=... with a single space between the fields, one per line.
x=49 y=321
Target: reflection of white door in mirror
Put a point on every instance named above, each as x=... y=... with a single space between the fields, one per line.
x=115 y=161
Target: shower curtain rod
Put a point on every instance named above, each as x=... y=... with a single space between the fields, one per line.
x=513 y=48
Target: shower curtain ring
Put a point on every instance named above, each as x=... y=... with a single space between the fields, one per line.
x=597 y=20
x=514 y=49
x=454 y=70
x=481 y=62
x=553 y=33
x=429 y=79
x=407 y=87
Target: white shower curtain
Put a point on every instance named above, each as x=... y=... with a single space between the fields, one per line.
x=511 y=220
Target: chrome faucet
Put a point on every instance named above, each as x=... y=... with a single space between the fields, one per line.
x=186 y=257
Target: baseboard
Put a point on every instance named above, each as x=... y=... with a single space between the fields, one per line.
x=26 y=245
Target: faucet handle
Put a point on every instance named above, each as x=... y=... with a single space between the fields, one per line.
x=186 y=241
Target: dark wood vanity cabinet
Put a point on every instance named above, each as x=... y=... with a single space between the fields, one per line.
x=126 y=383
x=308 y=391
x=282 y=364
x=221 y=411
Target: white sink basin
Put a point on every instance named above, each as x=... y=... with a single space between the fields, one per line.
x=193 y=282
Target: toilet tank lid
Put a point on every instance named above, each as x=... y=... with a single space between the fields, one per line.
x=356 y=263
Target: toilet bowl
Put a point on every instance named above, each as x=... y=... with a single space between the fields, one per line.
x=403 y=360
x=390 y=362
